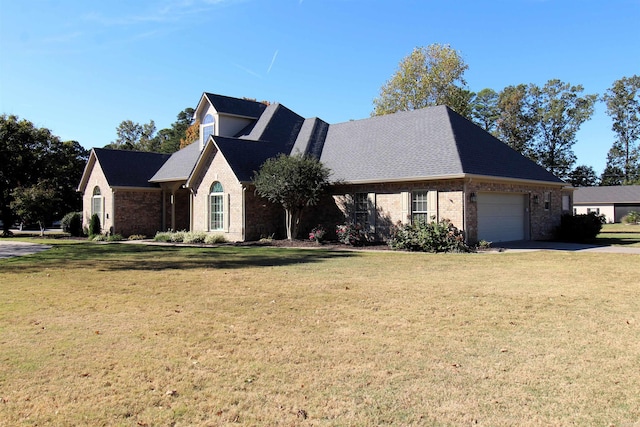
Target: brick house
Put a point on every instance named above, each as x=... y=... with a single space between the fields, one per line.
x=428 y=163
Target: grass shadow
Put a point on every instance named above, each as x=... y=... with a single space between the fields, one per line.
x=130 y=257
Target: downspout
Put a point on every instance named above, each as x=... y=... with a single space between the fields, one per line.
x=464 y=211
x=244 y=219
x=113 y=211
x=191 y=209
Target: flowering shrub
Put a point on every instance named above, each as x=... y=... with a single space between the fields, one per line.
x=351 y=234
x=432 y=236
x=317 y=234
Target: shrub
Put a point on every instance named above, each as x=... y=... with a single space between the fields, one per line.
x=580 y=228
x=317 y=234
x=115 y=238
x=351 y=234
x=98 y=238
x=215 y=238
x=94 y=225
x=194 y=237
x=162 y=236
x=137 y=237
x=178 y=236
x=425 y=236
x=72 y=224
x=632 y=217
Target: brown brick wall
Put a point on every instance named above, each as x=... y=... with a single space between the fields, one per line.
x=137 y=212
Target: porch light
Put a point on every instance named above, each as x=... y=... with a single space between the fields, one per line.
x=473 y=197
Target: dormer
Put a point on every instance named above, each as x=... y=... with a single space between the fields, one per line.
x=225 y=116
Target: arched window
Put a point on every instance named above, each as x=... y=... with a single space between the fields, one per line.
x=207 y=127
x=97 y=206
x=216 y=207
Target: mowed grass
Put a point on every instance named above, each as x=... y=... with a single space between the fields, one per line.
x=619 y=235
x=132 y=335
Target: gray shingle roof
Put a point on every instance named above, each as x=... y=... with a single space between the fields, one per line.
x=179 y=166
x=235 y=106
x=430 y=142
x=244 y=157
x=124 y=168
x=277 y=124
x=607 y=194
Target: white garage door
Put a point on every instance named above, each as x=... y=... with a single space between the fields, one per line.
x=501 y=217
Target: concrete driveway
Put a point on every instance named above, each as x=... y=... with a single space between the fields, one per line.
x=9 y=248
x=526 y=245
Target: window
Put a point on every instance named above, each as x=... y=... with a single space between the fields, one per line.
x=419 y=204
x=547 y=200
x=361 y=209
x=216 y=207
x=96 y=204
x=593 y=210
x=207 y=127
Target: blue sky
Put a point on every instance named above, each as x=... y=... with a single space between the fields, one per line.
x=79 y=68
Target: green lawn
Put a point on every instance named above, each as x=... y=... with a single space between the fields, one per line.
x=133 y=335
x=619 y=234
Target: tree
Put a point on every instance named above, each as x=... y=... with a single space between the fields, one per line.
x=612 y=175
x=294 y=182
x=623 y=105
x=484 y=109
x=583 y=176
x=34 y=204
x=560 y=110
x=516 y=123
x=30 y=156
x=431 y=75
x=134 y=136
x=191 y=135
x=172 y=137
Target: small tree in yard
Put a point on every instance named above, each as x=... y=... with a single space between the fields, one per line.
x=294 y=182
x=34 y=204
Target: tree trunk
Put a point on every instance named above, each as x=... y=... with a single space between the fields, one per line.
x=292 y=218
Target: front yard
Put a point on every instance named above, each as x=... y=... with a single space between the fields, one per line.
x=132 y=335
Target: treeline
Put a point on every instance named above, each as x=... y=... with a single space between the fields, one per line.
x=540 y=122
x=145 y=137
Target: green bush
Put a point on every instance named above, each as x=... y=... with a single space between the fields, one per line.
x=215 y=238
x=351 y=234
x=162 y=236
x=424 y=236
x=632 y=217
x=194 y=237
x=98 y=238
x=580 y=228
x=94 y=225
x=178 y=236
x=72 y=224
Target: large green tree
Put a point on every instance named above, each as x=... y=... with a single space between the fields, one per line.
x=560 y=110
x=431 y=75
x=295 y=182
x=583 y=176
x=623 y=105
x=30 y=156
x=516 y=122
x=484 y=109
x=135 y=136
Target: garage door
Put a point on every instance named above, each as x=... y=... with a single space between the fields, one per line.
x=501 y=217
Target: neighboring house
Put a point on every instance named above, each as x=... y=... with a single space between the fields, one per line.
x=614 y=202
x=424 y=164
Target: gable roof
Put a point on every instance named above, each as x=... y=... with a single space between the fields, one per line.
x=235 y=106
x=123 y=168
x=607 y=194
x=179 y=166
x=433 y=142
